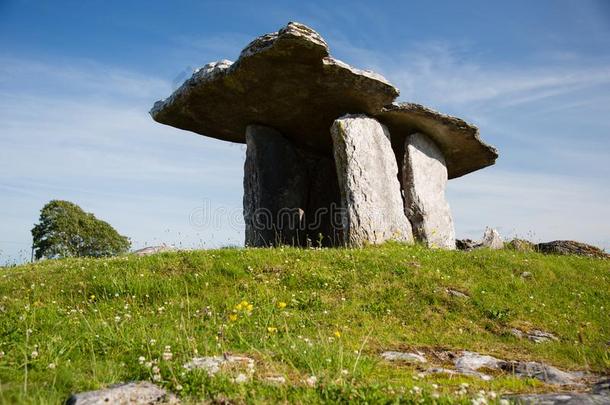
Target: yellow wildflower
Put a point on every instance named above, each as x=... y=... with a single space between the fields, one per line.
x=337 y=334
x=281 y=305
x=250 y=307
x=232 y=317
x=271 y=330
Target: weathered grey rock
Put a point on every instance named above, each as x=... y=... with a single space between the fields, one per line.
x=276 y=379
x=469 y=361
x=598 y=395
x=404 y=356
x=273 y=197
x=136 y=393
x=459 y=141
x=570 y=247
x=474 y=361
x=492 y=239
x=521 y=245
x=560 y=398
x=289 y=195
x=424 y=178
x=456 y=293
x=367 y=174
x=286 y=80
x=213 y=364
x=151 y=250
x=466 y=244
x=467 y=372
x=542 y=372
x=535 y=335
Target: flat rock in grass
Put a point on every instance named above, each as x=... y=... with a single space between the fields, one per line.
x=470 y=373
x=570 y=247
x=598 y=395
x=137 y=393
x=542 y=372
x=276 y=379
x=470 y=361
x=151 y=250
x=456 y=293
x=286 y=80
x=474 y=361
x=535 y=335
x=214 y=364
x=409 y=357
x=521 y=245
x=466 y=244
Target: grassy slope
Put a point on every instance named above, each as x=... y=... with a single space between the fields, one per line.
x=93 y=319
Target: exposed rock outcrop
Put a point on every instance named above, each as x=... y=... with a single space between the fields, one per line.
x=136 y=393
x=570 y=247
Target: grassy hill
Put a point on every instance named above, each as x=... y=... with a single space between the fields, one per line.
x=80 y=324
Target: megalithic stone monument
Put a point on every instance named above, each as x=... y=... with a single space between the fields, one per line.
x=314 y=176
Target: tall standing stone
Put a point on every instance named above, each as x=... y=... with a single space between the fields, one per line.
x=290 y=195
x=424 y=178
x=367 y=174
x=274 y=189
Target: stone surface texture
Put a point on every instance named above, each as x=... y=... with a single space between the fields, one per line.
x=367 y=174
x=424 y=178
x=492 y=239
x=151 y=250
x=470 y=361
x=290 y=196
x=535 y=335
x=570 y=247
x=286 y=80
x=459 y=141
x=409 y=357
x=214 y=364
x=136 y=393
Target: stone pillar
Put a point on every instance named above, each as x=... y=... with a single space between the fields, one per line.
x=367 y=172
x=274 y=189
x=289 y=195
x=424 y=178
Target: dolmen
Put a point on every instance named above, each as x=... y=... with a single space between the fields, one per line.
x=331 y=159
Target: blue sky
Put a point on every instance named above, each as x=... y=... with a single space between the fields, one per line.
x=77 y=79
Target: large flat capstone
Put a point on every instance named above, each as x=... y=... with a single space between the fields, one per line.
x=424 y=178
x=459 y=141
x=370 y=192
x=286 y=80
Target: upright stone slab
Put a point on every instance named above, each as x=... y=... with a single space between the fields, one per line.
x=367 y=174
x=274 y=189
x=290 y=195
x=424 y=178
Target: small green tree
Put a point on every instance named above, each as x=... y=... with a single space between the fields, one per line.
x=66 y=230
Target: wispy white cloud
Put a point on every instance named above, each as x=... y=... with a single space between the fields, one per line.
x=81 y=131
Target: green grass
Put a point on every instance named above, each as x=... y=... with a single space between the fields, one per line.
x=89 y=320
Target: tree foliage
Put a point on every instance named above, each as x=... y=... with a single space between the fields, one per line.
x=65 y=230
